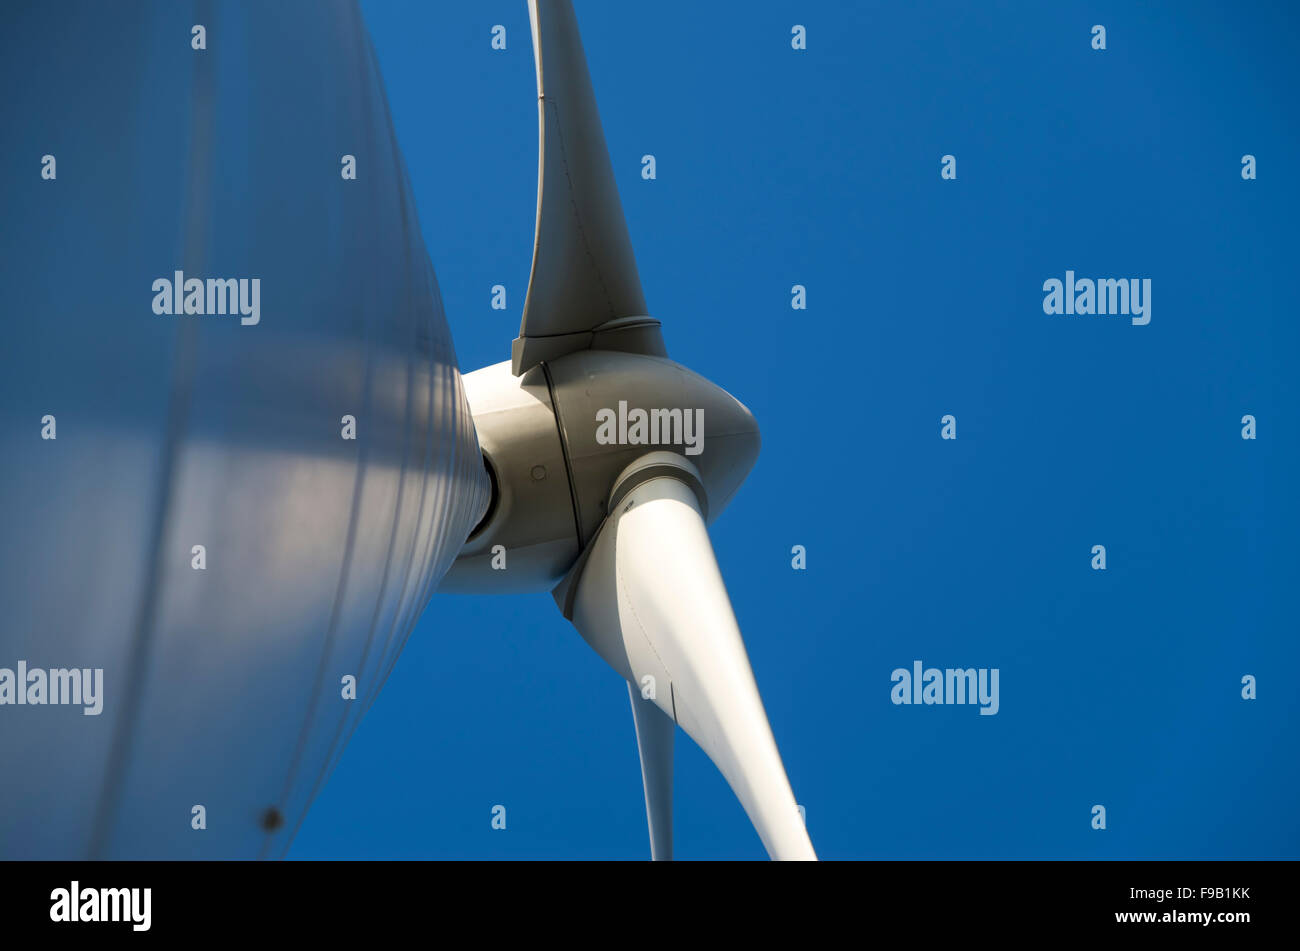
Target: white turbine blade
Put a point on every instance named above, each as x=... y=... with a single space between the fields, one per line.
x=654 y=740
x=584 y=272
x=651 y=601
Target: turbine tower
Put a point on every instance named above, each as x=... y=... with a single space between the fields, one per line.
x=614 y=526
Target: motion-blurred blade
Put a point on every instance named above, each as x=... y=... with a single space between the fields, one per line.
x=205 y=532
x=654 y=740
x=651 y=601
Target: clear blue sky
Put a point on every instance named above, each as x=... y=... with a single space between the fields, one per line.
x=821 y=167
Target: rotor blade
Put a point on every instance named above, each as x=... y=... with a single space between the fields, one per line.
x=584 y=272
x=654 y=740
x=651 y=601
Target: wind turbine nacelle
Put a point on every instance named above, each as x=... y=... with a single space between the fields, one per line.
x=555 y=440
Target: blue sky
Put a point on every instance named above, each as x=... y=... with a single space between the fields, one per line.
x=822 y=167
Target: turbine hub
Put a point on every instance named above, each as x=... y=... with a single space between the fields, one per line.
x=556 y=440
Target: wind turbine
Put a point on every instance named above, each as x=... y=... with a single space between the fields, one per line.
x=618 y=530
x=238 y=525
